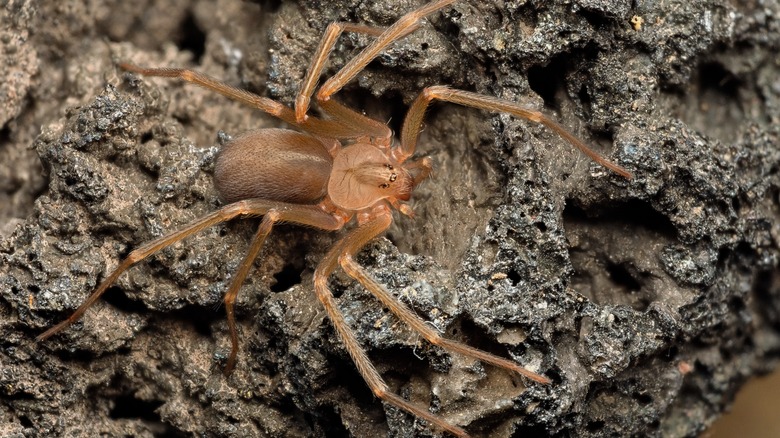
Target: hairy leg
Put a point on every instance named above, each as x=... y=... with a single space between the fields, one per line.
x=329 y=38
x=302 y=215
x=406 y=24
x=352 y=243
x=312 y=125
x=246 y=208
x=414 y=118
x=354 y=270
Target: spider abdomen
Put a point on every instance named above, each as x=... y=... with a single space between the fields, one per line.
x=273 y=164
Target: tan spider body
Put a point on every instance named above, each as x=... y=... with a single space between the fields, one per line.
x=323 y=175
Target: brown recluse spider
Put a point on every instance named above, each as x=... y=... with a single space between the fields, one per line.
x=332 y=170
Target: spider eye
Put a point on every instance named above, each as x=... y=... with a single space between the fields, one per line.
x=393 y=177
x=384 y=185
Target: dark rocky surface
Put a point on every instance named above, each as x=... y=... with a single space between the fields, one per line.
x=648 y=302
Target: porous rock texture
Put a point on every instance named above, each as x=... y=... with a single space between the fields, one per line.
x=648 y=302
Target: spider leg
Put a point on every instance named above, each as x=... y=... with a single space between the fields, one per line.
x=414 y=118
x=351 y=243
x=312 y=125
x=251 y=207
x=300 y=214
x=371 y=127
x=354 y=270
x=373 y=132
x=329 y=38
x=406 y=24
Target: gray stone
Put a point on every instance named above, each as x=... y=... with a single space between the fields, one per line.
x=647 y=302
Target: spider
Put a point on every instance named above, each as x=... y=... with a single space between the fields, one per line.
x=326 y=173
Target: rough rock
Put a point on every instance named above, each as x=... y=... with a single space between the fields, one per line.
x=648 y=302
